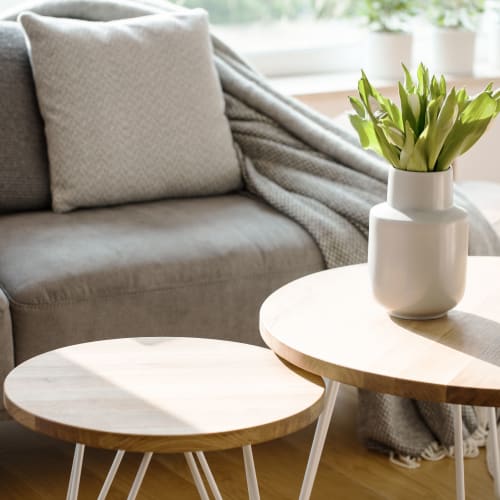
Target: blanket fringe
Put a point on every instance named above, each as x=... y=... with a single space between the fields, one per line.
x=472 y=444
x=480 y=435
x=436 y=451
x=405 y=461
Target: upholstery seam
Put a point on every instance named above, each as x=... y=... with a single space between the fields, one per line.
x=47 y=305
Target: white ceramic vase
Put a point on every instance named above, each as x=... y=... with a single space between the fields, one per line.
x=418 y=245
x=452 y=51
x=385 y=51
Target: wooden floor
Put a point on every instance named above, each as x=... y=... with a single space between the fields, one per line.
x=35 y=467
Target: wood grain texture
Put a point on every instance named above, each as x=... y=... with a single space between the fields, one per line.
x=35 y=467
x=162 y=394
x=329 y=324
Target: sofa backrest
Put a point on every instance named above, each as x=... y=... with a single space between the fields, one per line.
x=24 y=172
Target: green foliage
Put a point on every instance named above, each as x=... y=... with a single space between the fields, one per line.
x=454 y=14
x=332 y=8
x=246 y=11
x=381 y=15
x=431 y=127
x=386 y=15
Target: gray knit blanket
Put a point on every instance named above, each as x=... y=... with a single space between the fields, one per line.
x=315 y=172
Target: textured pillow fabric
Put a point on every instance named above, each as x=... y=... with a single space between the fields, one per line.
x=133 y=109
x=24 y=172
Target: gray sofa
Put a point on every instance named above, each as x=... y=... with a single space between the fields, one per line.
x=183 y=267
x=192 y=267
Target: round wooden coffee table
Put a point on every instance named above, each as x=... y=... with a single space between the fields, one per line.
x=329 y=324
x=164 y=395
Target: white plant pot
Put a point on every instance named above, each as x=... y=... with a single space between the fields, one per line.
x=385 y=51
x=494 y=47
x=451 y=51
x=418 y=246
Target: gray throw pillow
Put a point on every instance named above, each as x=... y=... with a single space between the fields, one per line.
x=133 y=109
x=24 y=171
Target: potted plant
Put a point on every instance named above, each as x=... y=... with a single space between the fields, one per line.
x=388 y=42
x=492 y=16
x=417 y=250
x=453 y=35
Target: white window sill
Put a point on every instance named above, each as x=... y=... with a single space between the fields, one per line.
x=346 y=82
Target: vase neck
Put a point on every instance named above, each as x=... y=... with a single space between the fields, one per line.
x=420 y=190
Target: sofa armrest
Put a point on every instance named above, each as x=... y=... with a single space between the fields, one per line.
x=6 y=343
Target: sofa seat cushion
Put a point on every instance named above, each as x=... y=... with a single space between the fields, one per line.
x=486 y=196
x=192 y=267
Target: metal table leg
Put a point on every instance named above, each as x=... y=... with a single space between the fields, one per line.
x=332 y=389
x=208 y=474
x=111 y=475
x=253 y=487
x=459 y=452
x=74 y=482
x=76 y=472
x=492 y=417
x=141 y=472
x=198 y=481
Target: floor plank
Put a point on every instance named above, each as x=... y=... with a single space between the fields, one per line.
x=33 y=467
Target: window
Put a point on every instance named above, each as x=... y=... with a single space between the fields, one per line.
x=251 y=11
x=281 y=37
x=287 y=37
x=294 y=37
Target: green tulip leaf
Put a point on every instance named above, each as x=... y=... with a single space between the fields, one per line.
x=394 y=135
x=406 y=111
x=358 y=106
x=435 y=89
x=441 y=127
x=408 y=146
x=481 y=107
x=462 y=100
x=442 y=85
x=431 y=126
x=366 y=133
x=389 y=151
x=409 y=85
x=423 y=80
x=461 y=139
x=418 y=160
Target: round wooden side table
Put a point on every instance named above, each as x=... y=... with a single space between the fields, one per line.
x=165 y=395
x=329 y=324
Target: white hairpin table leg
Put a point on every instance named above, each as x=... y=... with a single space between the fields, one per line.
x=111 y=475
x=76 y=472
x=253 y=487
x=332 y=389
x=459 y=452
x=141 y=472
x=208 y=474
x=198 y=481
x=492 y=417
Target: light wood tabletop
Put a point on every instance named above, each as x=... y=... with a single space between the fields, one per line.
x=328 y=323
x=162 y=394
